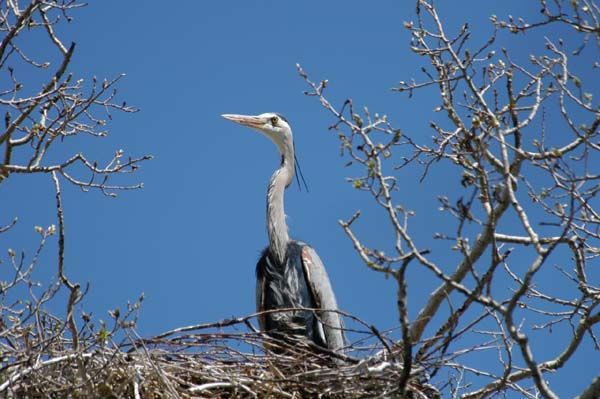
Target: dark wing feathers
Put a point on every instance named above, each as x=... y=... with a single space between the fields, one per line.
x=301 y=282
x=260 y=297
x=284 y=286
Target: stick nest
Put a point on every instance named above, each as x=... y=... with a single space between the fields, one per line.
x=219 y=360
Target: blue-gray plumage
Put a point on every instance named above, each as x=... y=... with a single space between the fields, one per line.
x=285 y=286
x=290 y=274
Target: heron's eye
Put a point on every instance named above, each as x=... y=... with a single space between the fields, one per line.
x=274 y=121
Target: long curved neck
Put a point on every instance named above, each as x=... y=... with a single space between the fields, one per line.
x=276 y=224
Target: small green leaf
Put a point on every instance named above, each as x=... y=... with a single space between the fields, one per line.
x=102 y=335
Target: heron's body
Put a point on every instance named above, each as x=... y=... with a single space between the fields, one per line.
x=281 y=286
x=289 y=273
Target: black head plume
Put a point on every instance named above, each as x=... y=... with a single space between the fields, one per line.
x=299 y=172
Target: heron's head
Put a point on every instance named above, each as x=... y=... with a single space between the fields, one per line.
x=272 y=125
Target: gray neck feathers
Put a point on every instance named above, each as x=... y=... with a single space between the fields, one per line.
x=276 y=224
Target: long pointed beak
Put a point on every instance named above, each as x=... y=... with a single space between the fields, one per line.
x=245 y=120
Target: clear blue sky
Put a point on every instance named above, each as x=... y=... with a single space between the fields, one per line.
x=191 y=238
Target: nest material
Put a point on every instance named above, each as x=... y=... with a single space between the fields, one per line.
x=188 y=363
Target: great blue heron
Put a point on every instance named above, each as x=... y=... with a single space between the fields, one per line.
x=290 y=274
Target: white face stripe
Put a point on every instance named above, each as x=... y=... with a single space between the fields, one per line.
x=280 y=134
x=280 y=121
